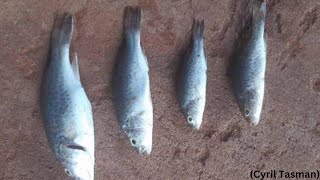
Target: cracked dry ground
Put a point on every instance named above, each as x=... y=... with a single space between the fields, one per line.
x=224 y=148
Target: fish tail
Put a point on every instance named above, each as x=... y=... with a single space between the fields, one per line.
x=259 y=9
x=132 y=19
x=198 y=29
x=62 y=33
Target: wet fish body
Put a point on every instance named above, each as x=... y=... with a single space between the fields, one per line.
x=65 y=108
x=248 y=65
x=193 y=79
x=131 y=86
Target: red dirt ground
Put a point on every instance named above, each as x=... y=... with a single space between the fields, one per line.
x=225 y=147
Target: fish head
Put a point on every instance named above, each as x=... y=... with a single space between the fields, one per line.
x=140 y=135
x=194 y=119
x=251 y=107
x=194 y=115
x=77 y=161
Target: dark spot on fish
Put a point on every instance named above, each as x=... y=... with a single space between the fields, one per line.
x=133 y=99
x=190 y=119
x=76 y=147
x=198 y=55
x=252 y=93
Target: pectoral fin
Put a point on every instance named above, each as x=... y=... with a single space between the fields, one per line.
x=75 y=67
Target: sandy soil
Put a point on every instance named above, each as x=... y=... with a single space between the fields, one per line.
x=225 y=148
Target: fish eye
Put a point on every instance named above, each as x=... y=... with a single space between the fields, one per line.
x=190 y=119
x=247 y=112
x=68 y=172
x=133 y=142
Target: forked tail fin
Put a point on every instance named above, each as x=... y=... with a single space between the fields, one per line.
x=259 y=9
x=132 y=19
x=62 y=32
x=197 y=30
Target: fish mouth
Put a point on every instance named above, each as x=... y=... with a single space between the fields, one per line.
x=251 y=121
x=195 y=126
x=80 y=172
x=193 y=123
x=250 y=118
x=140 y=148
x=140 y=139
x=144 y=150
x=85 y=175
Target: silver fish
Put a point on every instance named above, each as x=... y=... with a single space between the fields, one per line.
x=65 y=108
x=131 y=86
x=249 y=64
x=193 y=79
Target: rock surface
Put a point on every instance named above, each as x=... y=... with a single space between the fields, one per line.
x=225 y=147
